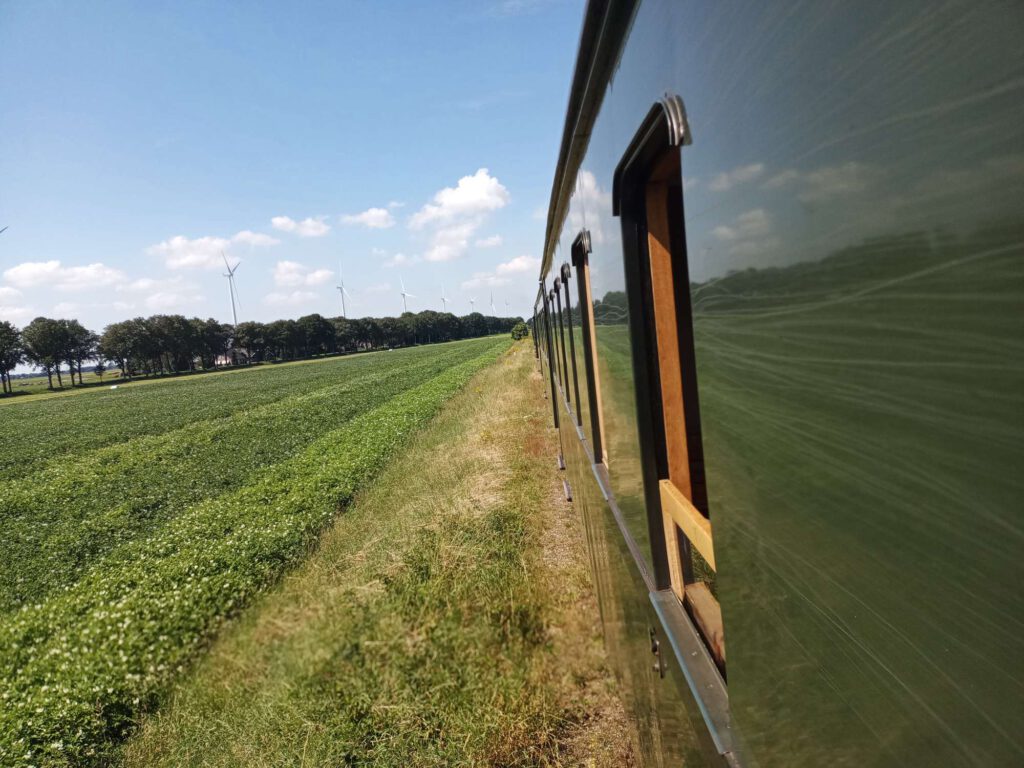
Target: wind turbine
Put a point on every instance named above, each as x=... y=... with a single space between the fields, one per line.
x=506 y=308
x=493 y=311
x=342 y=292
x=405 y=295
x=3 y=230
x=230 y=275
x=472 y=304
x=444 y=301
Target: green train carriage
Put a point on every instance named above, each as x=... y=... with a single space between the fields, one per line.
x=781 y=322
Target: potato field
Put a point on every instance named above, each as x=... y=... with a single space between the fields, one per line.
x=133 y=521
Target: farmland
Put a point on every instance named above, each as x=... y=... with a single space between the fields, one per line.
x=134 y=521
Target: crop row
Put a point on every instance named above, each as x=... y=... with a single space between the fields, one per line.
x=56 y=521
x=80 y=666
x=39 y=432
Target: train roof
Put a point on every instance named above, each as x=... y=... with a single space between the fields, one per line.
x=605 y=26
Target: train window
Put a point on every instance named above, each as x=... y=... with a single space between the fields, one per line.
x=564 y=283
x=561 y=338
x=649 y=199
x=556 y=324
x=581 y=262
x=550 y=356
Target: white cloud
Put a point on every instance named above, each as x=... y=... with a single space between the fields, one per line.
x=740 y=175
x=374 y=218
x=473 y=195
x=540 y=213
x=180 y=252
x=155 y=295
x=488 y=242
x=399 y=260
x=746 y=226
x=396 y=204
x=291 y=274
x=782 y=179
x=591 y=206
x=52 y=274
x=9 y=294
x=500 y=276
x=483 y=280
x=378 y=288
x=518 y=265
x=748 y=234
x=141 y=284
x=456 y=213
x=171 y=301
x=256 y=239
x=836 y=180
x=289 y=299
x=451 y=241
x=160 y=295
x=16 y=315
x=827 y=182
x=310 y=227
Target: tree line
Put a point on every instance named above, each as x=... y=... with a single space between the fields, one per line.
x=168 y=344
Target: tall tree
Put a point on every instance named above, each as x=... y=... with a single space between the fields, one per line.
x=212 y=339
x=252 y=337
x=119 y=344
x=80 y=345
x=11 y=353
x=318 y=334
x=45 y=341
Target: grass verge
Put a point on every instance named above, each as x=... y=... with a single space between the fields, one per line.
x=446 y=618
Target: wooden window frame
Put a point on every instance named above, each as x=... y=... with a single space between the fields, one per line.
x=581 y=263
x=648 y=198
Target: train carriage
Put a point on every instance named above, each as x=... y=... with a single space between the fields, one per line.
x=780 y=319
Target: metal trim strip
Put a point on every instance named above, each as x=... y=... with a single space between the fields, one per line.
x=702 y=676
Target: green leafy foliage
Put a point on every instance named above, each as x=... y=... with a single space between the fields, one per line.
x=38 y=433
x=104 y=636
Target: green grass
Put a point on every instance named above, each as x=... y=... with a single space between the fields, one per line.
x=59 y=520
x=163 y=564
x=44 y=428
x=36 y=385
x=446 y=619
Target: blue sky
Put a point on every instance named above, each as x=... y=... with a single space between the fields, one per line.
x=405 y=141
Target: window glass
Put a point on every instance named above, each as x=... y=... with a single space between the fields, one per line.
x=571 y=342
x=614 y=354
